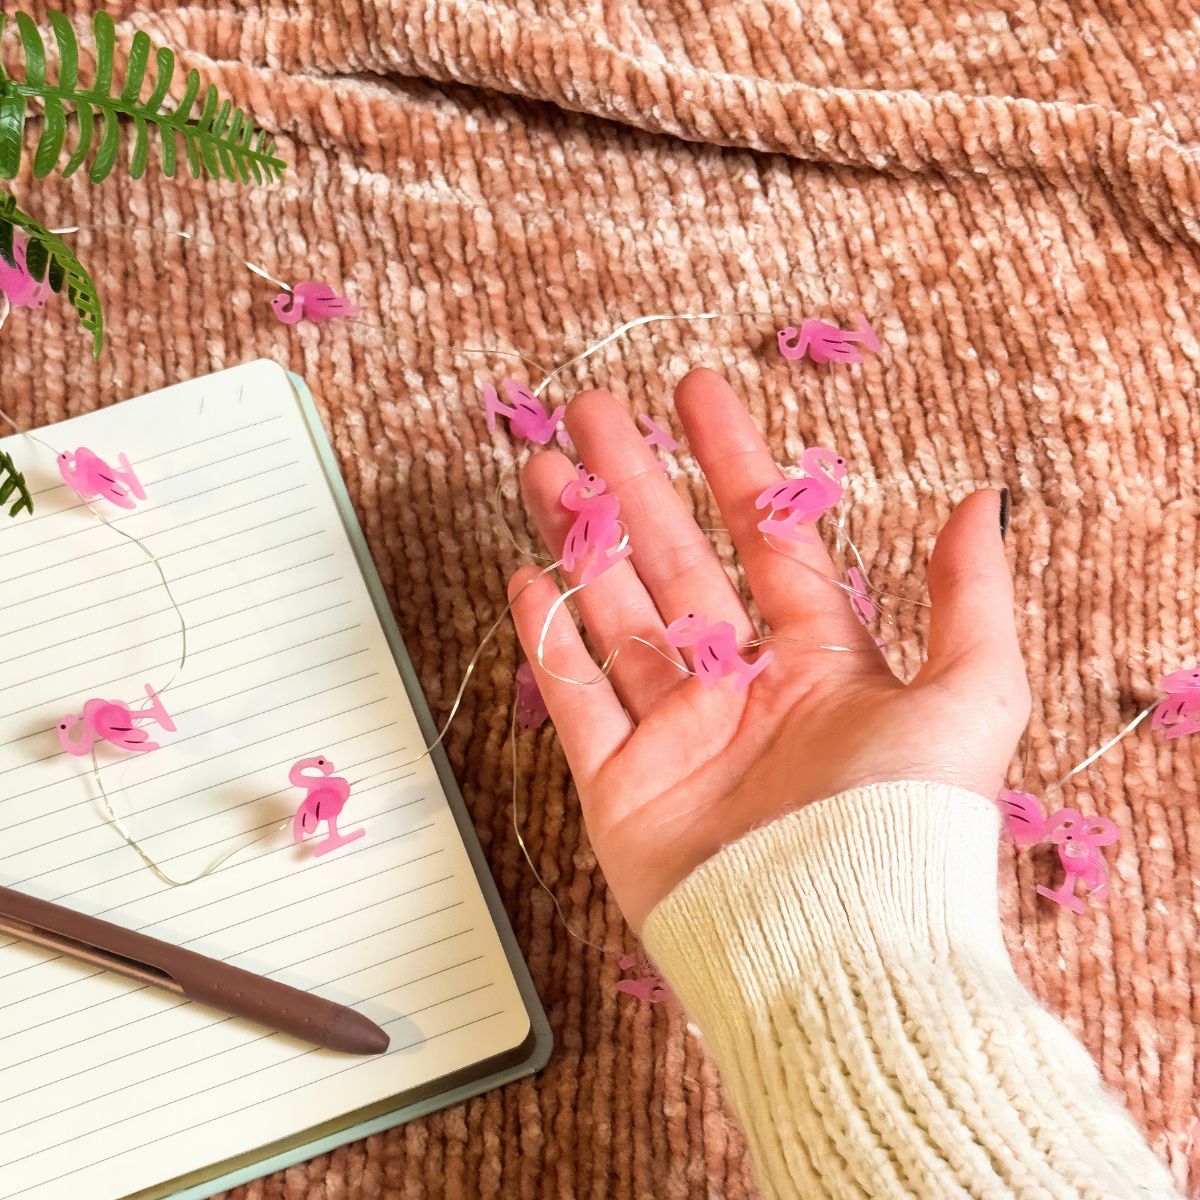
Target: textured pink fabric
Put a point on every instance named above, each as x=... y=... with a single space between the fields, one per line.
x=1008 y=193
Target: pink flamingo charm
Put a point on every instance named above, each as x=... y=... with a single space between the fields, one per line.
x=87 y=474
x=532 y=712
x=715 y=651
x=1179 y=711
x=1022 y=816
x=326 y=797
x=116 y=722
x=647 y=984
x=825 y=343
x=804 y=500
x=1079 y=839
x=594 y=539
x=315 y=302
x=656 y=435
x=860 y=598
x=526 y=416
x=22 y=290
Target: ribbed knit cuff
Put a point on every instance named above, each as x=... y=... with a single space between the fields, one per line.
x=889 y=871
x=847 y=969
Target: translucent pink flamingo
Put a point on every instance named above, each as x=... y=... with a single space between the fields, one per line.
x=116 y=722
x=824 y=343
x=526 y=416
x=531 y=708
x=1179 y=711
x=802 y=501
x=860 y=598
x=715 y=652
x=1079 y=839
x=326 y=797
x=1022 y=816
x=595 y=535
x=647 y=984
x=87 y=474
x=656 y=435
x=315 y=302
x=22 y=290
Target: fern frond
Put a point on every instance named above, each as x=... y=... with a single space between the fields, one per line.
x=49 y=257
x=14 y=481
x=220 y=140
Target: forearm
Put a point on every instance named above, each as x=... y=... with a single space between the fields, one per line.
x=847 y=969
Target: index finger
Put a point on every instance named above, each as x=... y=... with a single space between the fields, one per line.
x=788 y=585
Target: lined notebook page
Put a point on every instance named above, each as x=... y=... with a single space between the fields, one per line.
x=105 y=1088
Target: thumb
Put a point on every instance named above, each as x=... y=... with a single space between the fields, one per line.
x=973 y=635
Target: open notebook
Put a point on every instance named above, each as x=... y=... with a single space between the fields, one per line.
x=110 y=1091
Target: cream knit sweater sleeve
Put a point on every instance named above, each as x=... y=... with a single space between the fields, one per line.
x=846 y=967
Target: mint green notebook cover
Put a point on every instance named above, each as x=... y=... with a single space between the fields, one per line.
x=526 y=1060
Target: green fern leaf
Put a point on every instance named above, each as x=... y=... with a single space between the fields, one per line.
x=220 y=139
x=208 y=154
x=141 y=149
x=106 y=153
x=50 y=144
x=169 y=150
x=209 y=110
x=37 y=259
x=68 y=51
x=44 y=247
x=164 y=73
x=12 y=130
x=135 y=67
x=105 y=33
x=14 y=482
x=190 y=92
x=35 y=51
x=192 y=149
x=87 y=124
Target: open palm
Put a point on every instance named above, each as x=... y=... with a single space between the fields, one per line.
x=668 y=770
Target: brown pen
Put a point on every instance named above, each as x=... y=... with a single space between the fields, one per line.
x=193 y=976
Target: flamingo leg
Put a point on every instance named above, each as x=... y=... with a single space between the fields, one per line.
x=336 y=839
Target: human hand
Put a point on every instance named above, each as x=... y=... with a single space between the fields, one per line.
x=668 y=771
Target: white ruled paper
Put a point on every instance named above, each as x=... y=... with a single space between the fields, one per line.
x=107 y=1088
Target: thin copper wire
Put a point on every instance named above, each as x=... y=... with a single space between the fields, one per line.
x=1059 y=784
x=558 y=908
x=263 y=273
x=150 y=555
x=148 y=859
x=625 y=328
x=154 y=866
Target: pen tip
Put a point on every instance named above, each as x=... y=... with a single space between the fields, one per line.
x=352 y=1033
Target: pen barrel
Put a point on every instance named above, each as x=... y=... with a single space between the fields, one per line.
x=205 y=980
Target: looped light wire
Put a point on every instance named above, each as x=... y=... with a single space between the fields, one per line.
x=558 y=908
x=625 y=328
x=395 y=770
x=1059 y=784
x=263 y=273
x=148 y=859
x=150 y=555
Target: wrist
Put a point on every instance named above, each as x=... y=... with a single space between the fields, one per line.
x=897 y=870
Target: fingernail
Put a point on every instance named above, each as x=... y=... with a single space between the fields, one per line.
x=1005 y=511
